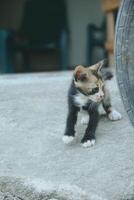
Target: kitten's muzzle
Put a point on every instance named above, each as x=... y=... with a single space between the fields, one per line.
x=99 y=97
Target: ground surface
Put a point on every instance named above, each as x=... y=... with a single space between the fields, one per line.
x=33 y=111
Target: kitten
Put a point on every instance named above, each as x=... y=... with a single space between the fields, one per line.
x=86 y=93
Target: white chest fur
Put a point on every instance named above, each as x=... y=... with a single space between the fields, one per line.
x=80 y=99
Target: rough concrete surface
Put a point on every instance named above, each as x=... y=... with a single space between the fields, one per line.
x=33 y=111
x=34 y=189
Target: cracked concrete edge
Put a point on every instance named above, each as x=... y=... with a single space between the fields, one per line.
x=35 y=189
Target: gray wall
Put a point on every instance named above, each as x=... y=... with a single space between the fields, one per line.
x=80 y=13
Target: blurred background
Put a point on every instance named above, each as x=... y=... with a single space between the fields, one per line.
x=50 y=35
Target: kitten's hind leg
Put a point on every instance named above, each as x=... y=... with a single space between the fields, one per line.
x=85 y=118
x=113 y=114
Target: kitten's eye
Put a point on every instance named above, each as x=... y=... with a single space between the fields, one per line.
x=83 y=77
x=94 y=90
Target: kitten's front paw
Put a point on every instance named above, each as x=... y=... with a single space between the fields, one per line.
x=88 y=143
x=67 y=139
x=114 y=115
x=85 y=120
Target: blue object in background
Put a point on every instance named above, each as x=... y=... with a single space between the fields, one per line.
x=5 y=66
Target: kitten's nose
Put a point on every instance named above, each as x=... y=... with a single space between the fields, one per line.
x=102 y=95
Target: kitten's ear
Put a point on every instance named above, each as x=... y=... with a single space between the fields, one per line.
x=98 y=66
x=103 y=72
x=80 y=73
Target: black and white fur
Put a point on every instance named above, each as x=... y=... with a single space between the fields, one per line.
x=77 y=102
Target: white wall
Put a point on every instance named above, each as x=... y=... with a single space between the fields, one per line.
x=81 y=12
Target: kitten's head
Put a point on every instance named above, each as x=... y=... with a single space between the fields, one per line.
x=90 y=80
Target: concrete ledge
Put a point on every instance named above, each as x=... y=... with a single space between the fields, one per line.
x=33 y=110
